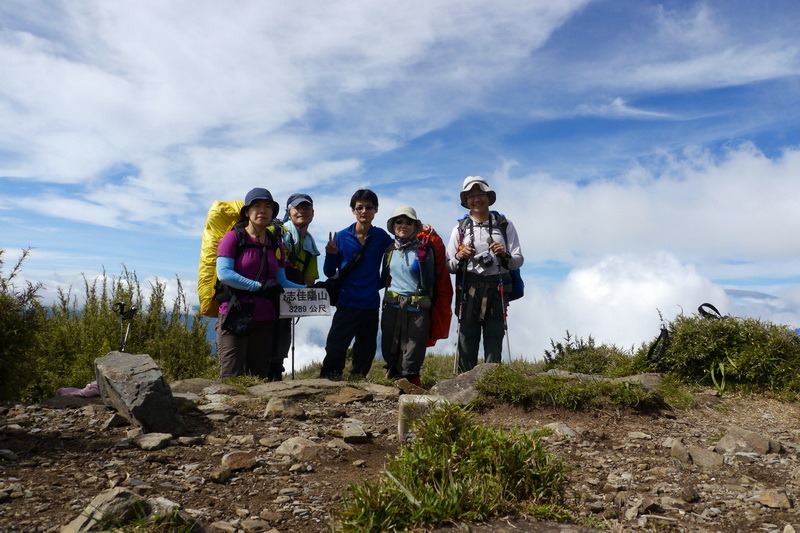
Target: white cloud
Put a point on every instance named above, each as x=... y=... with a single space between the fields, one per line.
x=616 y=300
x=136 y=115
x=618 y=108
x=696 y=206
x=735 y=65
x=696 y=27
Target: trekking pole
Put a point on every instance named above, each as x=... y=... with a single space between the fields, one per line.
x=505 y=318
x=294 y=321
x=458 y=315
x=458 y=335
x=124 y=315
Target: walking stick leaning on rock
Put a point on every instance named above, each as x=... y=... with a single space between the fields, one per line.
x=124 y=315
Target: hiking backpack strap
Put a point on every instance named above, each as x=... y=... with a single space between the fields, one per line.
x=223 y=292
x=707 y=310
x=292 y=252
x=387 y=260
x=659 y=346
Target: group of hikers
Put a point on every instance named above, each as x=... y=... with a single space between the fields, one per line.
x=258 y=259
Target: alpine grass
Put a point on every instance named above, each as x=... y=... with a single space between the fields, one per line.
x=458 y=470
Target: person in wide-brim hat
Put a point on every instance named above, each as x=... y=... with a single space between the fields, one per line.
x=483 y=249
x=259 y=193
x=409 y=277
x=473 y=184
x=404 y=211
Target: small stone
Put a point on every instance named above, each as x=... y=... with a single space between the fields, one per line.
x=270 y=516
x=239 y=460
x=153 y=441
x=689 y=494
x=8 y=455
x=255 y=526
x=220 y=475
x=775 y=499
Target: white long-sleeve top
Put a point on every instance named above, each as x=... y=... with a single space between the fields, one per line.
x=478 y=238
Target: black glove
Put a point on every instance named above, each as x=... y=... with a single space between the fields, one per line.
x=320 y=285
x=270 y=289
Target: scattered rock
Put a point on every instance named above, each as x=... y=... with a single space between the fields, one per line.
x=741 y=440
x=239 y=460
x=461 y=390
x=134 y=386
x=349 y=395
x=282 y=407
x=634 y=471
x=152 y=441
x=299 y=448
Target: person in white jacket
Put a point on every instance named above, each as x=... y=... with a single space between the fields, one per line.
x=483 y=247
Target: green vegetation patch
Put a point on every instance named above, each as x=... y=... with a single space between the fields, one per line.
x=574 y=354
x=512 y=384
x=742 y=353
x=42 y=350
x=457 y=470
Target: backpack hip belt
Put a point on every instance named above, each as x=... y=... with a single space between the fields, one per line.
x=420 y=301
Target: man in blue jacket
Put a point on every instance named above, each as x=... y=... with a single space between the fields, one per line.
x=356 y=316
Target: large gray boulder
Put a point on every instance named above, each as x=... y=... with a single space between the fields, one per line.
x=461 y=390
x=134 y=386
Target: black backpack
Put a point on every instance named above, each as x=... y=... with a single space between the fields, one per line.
x=223 y=292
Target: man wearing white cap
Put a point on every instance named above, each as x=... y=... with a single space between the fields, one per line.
x=481 y=252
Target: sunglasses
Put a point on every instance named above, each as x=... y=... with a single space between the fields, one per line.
x=403 y=221
x=364 y=208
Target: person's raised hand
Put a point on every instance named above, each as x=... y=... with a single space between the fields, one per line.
x=331 y=247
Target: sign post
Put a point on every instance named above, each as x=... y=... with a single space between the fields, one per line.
x=308 y=301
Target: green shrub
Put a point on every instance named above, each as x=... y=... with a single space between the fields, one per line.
x=584 y=357
x=733 y=352
x=21 y=316
x=458 y=470
x=41 y=352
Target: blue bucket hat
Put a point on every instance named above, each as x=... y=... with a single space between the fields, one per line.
x=259 y=193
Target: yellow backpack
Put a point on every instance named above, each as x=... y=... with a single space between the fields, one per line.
x=220 y=220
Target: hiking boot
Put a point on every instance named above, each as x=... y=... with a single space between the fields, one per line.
x=355 y=376
x=332 y=375
x=416 y=381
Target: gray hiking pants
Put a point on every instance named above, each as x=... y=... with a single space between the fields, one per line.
x=404 y=334
x=481 y=314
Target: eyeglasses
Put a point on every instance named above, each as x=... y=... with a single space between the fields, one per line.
x=403 y=221
x=364 y=208
x=303 y=206
x=476 y=195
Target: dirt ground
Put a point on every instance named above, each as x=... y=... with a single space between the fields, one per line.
x=59 y=457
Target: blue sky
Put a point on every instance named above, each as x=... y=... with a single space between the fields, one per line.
x=648 y=152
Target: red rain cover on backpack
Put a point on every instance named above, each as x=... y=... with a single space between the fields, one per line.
x=441 y=311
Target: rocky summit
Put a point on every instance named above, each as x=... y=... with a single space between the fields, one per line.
x=279 y=457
